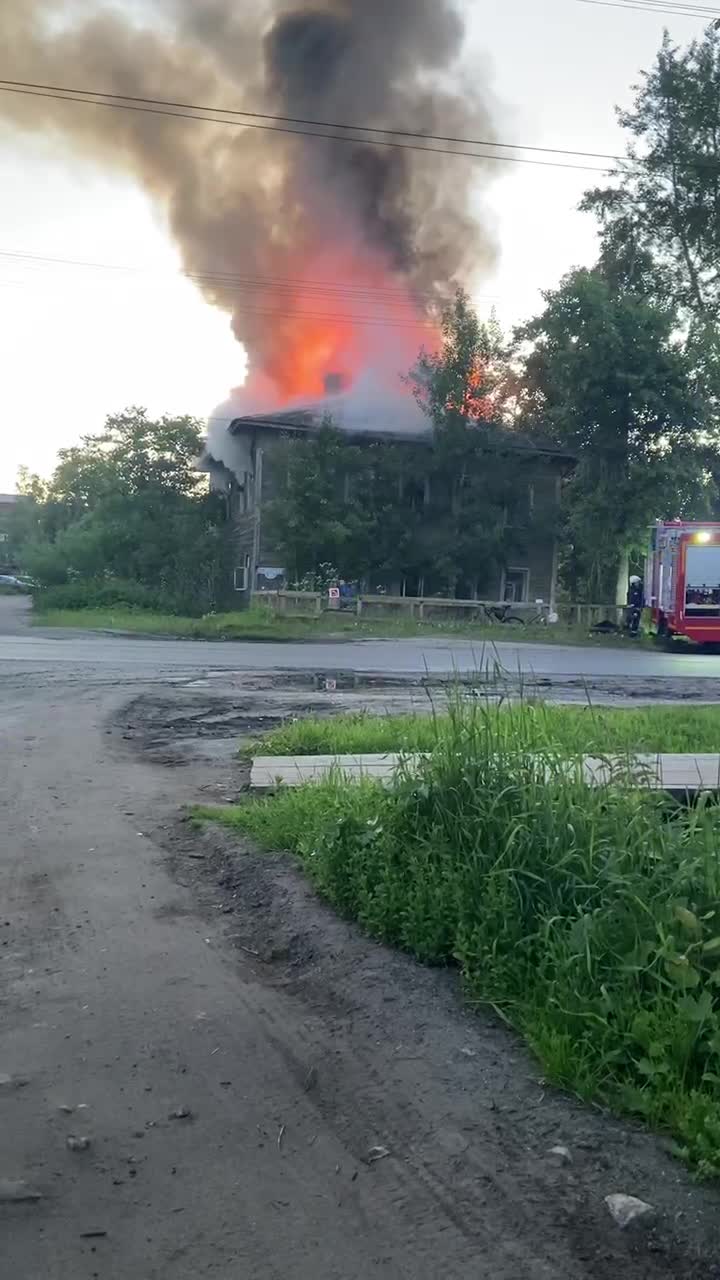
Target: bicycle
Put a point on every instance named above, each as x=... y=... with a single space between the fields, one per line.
x=501 y=613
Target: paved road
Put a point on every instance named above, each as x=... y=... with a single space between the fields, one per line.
x=23 y=647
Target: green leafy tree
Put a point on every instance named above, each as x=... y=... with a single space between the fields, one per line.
x=129 y=507
x=317 y=517
x=477 y=489
x=463 y=382
x=661 y=215
x=605 y=374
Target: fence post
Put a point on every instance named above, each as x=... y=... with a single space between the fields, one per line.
x=358 y=606
x=318 y=604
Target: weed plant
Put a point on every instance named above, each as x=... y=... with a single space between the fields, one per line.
x=588 y=917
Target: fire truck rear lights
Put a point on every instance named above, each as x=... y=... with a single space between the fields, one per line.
x=703 y=535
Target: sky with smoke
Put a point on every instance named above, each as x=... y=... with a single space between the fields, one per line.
x=260 y=218
x=249 y=204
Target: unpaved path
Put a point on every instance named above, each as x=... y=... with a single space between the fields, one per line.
x=147 y=969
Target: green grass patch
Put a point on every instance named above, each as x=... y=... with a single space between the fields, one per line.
x=265 y=624
x=575 y=729
x=248 y=624
x=590 y=918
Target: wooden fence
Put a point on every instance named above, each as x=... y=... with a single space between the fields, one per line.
x=303 y=604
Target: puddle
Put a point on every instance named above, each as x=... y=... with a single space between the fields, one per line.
x=354 y=681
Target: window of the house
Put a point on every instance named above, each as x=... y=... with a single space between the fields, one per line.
x=516 y=586
x=241 y=575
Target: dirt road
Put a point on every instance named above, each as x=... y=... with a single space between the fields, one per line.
x=238 y=1057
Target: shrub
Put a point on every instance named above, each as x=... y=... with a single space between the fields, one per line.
x=589 y=916
x=103 y=593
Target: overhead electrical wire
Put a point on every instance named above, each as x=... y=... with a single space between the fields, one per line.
x=119 y=103
x=668 y=9
x=250 y=120
x=363 y=293
x=331 y=317
x=317 y=124
x=280 y=289
x=325 y=317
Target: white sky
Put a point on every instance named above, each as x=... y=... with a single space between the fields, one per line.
x=78 y=344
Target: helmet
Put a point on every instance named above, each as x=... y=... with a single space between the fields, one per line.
x=634 y=579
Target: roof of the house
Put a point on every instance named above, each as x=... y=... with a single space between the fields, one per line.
x=309 y=420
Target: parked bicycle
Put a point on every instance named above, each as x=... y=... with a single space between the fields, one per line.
x=503 y=614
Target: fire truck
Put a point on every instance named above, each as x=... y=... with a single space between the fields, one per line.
x=682 y=580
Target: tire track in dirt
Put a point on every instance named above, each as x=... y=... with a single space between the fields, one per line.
x=468 y=1136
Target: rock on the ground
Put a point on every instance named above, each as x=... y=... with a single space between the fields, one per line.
x=561 y=1153
x=77 y=1144
x=627 y=1209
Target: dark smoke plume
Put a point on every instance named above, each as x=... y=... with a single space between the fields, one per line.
x=265 y=206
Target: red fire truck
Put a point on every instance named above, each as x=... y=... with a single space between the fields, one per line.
x=682 y=580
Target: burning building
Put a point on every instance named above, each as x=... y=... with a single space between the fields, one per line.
x=309 y=159
x=256 y=478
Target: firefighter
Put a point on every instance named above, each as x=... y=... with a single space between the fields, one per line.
x=635 y=602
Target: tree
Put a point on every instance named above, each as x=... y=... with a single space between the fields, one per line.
x=129 y=507
x=340 y=503
x=475 y=479
x=661 y=216
x=463 y=381
x=605 y=375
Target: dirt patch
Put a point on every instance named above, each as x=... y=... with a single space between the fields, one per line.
x=173 y=727
x=212 y=722
x=389 y=1056
x=393 y=1048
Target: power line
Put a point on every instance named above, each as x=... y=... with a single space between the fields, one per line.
x=317 y=124
x=656 y=6
x=659 y=6
x=162 y=107
x=299 y=313
x=228 y=277
x=332 y=318
x=124 y=105
x=362 y=294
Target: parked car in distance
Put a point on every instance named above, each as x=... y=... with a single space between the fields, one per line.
x=13 y=582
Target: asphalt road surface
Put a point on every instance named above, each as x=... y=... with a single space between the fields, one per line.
x=205 y=1073
x=23 y=648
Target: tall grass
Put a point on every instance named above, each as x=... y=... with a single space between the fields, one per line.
x=575 y=729
x=589 y=917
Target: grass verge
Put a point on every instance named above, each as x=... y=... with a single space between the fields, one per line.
x=265 y=624
x=574 y=729
x=590 y=918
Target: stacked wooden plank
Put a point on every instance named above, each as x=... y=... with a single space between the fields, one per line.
x=674 y=773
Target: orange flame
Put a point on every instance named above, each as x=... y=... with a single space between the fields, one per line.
x=345 y=314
